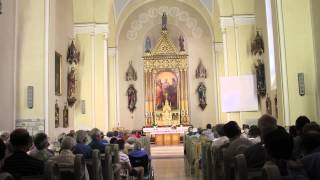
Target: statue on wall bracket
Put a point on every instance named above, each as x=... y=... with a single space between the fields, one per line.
x=65 y=116
x=181 y=43
x=56 y=115
x=71 y=87
x=147 y=45
x=201 y=71
x=132 y=98
x=257 y=49
x=131 y=74
x=202 y=95
x=73 y=55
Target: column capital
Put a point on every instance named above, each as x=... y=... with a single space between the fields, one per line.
x=218 y=46
x=236 y=21
x=91 y=28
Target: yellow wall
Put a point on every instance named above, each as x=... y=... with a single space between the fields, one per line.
x=299 y=57
x=30 y=66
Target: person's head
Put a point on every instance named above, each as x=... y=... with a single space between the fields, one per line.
x=209 y=126
x=137 y=146
x=68 y=143
x=279 y=144
x=254 y=131
x=72 y=133
x=301 y=122
x=81 y=137
x=115 y=133
x=121 y=144
x=293 y=131
x=110 y=134
x=232 y=129
x=113 y=140
x=41 y=141
x=266 y=124
x=20 y=140
x=2 y=149
x=310 y=137
x=5 y=136
x=131 y=140
x=95 y=134
x=219 y=130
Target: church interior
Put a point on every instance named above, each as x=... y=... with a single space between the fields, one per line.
x=191 y=83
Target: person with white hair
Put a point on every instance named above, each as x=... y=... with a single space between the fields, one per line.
x=41 y=151
x=96 y=142
x=66 y=155
x=81 y=146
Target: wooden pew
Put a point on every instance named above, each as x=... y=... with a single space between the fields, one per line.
x=69 y=171
x=94 y=166
x=270 y=172
x=6 y=176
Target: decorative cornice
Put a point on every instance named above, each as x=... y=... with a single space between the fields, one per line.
x=230 y=21
x=112 y=51
x=91 y=28
x=218 y=46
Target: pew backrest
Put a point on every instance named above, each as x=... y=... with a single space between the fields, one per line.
x=6 y=176
x=270 y=172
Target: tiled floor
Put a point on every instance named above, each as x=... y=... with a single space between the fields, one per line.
x=170 y=169
x=168 y=163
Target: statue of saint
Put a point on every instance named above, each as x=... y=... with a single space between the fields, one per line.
x=131 y=74
x=201 y=71
x=164 y=21
x=268 y=105
x=147 y=45
x=181 y=43
x=56 y=115
x=65 y=116
x=132 y=98
x=202 y=95
x=71 y=87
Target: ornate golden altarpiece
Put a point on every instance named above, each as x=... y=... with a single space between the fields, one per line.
x=166 y=107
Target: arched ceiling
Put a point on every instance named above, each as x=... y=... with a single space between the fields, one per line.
x=128 y=7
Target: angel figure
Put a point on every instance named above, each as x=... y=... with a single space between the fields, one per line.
x=147 y=45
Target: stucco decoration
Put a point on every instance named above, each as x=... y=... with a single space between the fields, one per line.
x=131 y=74
x=152 y=13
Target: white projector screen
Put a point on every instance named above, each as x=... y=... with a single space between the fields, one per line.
x=239 y=93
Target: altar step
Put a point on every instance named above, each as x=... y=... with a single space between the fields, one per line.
x=167 y=152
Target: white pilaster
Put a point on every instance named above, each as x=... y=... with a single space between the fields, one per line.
x=106 y=82
x=93 y=81
x=284 y=77
x=46 y=64
x=113 y=52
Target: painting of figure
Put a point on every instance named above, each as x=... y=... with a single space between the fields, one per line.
x=166 y=89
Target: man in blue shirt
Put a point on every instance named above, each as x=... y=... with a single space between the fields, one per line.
x=139 y=157
x=96 y=142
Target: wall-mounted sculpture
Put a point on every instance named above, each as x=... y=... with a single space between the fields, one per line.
x=131 y=74
x=65 y=116
x=56 y=115
x=0 y=6
x=181 y=44
x=257 y=49
x=276 y=105
x=71 y=94
x=201 y=71
x=268 y=105
x=147 y=46
x=73 y=56
x=132 y=98
x=202 y=95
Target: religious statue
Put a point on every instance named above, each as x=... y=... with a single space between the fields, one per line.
x=65 y=116
x=73 y=54
x=0 y=6
x=164 y=21
x=181 y=43
x=257 y=46
x=261 y=79
x=166 y=110
x=201 y=71
x=202 y=95
x=71 y=87
x=268 y=105
x=56 y=115
x=131 y=74
x=132 y=98
x=147 y=45
x=276 y=105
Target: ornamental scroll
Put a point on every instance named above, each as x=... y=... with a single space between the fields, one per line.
x=166 y=83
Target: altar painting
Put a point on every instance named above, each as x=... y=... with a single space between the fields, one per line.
x=166 y=89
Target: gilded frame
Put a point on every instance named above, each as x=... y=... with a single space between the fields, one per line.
x=57 y=73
